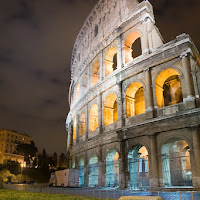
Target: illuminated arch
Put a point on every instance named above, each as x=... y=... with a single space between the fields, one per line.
x=93 y=118
x=112 y=168
x=132 y=46
x=135 y=100
x=110 y=109
x=95 y=74
x=176 y=166
x=93 y=171
x=111 y=61
x=138 y=166
x=82 y=125
x=168 y=88
x=81 y=169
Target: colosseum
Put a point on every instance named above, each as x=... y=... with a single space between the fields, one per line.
x=134 y=119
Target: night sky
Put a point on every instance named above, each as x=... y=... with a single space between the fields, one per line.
x=36 y=41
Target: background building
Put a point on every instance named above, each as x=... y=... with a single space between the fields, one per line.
x=8 y=143
x=134 y=102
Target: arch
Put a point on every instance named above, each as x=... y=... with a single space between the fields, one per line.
x=132 y=46
x=74 y=131
x=110 y=109
x=81 y=169
x=95 y=74
x=168 y=88
x=138 y=166
x=135 y=99
x=82 y=125
x=93 y=171
x=93 y=118
x=176 y=165
x=110 y=61
x=77 y=91
x=112 y=168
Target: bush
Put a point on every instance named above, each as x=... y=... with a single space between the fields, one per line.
x=6 y=176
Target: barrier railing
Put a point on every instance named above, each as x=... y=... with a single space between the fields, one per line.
x=103 y=193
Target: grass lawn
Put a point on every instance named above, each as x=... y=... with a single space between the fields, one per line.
x=20 y=195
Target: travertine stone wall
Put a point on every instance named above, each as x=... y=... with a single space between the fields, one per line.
x=115 y=24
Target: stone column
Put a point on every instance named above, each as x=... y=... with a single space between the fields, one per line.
x=193 y=168
x=77 y=129
x=86 y=170
x=149 y=94
x=119 y=53
x=100 y=113
x=189 y=100
x=144 y=39
x=101 y=67
x=122 y=177
x=154 y=176
x=120 y=109
x=196 y=146
x=87 y=114
x=101 y=171
x=89 y=76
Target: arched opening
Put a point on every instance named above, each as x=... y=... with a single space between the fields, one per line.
x=77 y=91
x=82 y=125
x=93 y=118
x=95 y=74
x=176 y=166
x=93 y=171
x=111 y=61
x=110 y=109
x=81 y=169
x=112 y=169
x=74 y=131
x=168 y=88
x=138 y=166
x=135 y=100
x=132 y=46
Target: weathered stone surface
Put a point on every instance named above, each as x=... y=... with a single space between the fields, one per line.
x=114 y=26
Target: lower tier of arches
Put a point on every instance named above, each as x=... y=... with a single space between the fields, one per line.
x=166 y=160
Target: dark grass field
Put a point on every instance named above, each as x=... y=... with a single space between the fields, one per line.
x=20 y=195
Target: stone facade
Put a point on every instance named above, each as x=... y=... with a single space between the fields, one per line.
x=148 y=103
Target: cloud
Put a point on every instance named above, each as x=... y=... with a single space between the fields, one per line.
x=5 y=55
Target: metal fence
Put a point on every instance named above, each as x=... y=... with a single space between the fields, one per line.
x=103 y=193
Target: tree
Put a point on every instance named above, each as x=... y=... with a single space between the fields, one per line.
x=12 y=166
x=44 y=160
x=62 y=161
x=55 y=160
x=27 y=150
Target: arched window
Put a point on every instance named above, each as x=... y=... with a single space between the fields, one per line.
x=74 y=131
x=168 y=88
x=111 y=61
x=176 y=166
x=132 y=46
x=82 y=125
x=95 y=74
x=135 y=101
x=93 y=118
x=93 y=171
x=138 y=165
x=112 y=169
x=110 y=109
x=81 y=175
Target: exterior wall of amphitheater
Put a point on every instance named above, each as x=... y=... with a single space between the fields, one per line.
x=108 y=113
